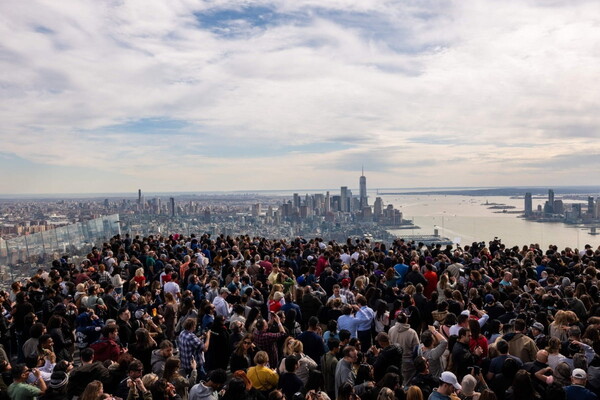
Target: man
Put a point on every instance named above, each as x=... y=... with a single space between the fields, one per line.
x=160 y=356
x=191 y=347
x=448 y=385
x=433 y=354
x=423 y=378
x=19 y=389
x=519 y=344
x=267 y=341
x=127 y=327
x=347 y=321
x=107 y=347
x=498 y=361
x=389 y=354
x=329 y=363
x=462 y=357
x=289 y=382
x=537 y=333
x=345 y=291
x=406 y=337
x=577 y=390
x=344 y=372
x=222 y=307
x=541 y=362
x=89 y=370
x=492 y=307
x=337 y=295
x=401 y=271
x=135 y=370
x=209 y=390
x=312 y=340
x=365 y=317
x=463 y=320
x=172 y=286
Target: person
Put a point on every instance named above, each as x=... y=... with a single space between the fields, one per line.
x=20 y=389
x=519 y=344
x=462 y=357
x=305 y=363
x=423 y=377
x=448 y=386
x=329 y=364
x=143 y=348
x=243 y=355
x=344 y=372
x=432 y=347
x=267 y=341
x=107 y=347
x=222 y=307
x=577 y=390
x=289 y=381
x=407 y=339
x=262 y=377
x=181 y=383
x=312 y=341
x=191 y=347
x=89 y=371
x=365 y=317
x=93 y=391
x=209 y=390
x=386 y=355
x=413 y=393
x=160 y=356
x=135 y=371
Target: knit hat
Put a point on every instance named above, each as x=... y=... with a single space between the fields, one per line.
x=58 y=379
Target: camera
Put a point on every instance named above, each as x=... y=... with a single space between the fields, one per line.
x=476 y=370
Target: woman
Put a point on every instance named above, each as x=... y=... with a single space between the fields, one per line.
x=263 y=378
x=554 y=356
x=443 y=284
x=170 y=314
x=186 y=310
x=522 y=388
x=305 y=363
x=468 y=388
x=242 y=356
x=382 y=317
x=139 y=277
x=560 y=327
x=93 y=391
x=477 y=339
x=413 y=393
x=143 y=347
x=181 y=383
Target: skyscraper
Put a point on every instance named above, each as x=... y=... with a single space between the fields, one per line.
x=344 y=199
x=139 y=196
x=363 y=190
x=590 y=209
x=528 y=205
x=551 y=201
x=172 y=205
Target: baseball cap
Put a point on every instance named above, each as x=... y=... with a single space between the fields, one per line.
x=225 y=290
x=489 y=298
x=345 y=282
x=578 y=373
x=449 y=378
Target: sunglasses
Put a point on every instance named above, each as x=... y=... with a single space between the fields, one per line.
x=247 y=342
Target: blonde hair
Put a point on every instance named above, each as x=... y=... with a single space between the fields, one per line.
x=388 y=394
x=414 y=393
x=261 y=357
x=139 y=272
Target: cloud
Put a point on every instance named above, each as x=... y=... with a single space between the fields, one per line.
x=480 y=90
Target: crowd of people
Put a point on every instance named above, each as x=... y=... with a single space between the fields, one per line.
x=242 y=318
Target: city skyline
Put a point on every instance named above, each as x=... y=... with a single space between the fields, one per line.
x=195 y=96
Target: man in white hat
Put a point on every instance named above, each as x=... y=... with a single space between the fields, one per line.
x=577 y=390
x=448 y=385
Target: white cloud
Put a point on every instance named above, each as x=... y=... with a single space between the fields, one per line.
x=488 y=86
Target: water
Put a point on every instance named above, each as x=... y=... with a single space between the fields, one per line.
x=465 y=219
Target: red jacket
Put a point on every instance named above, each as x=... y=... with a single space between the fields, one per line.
x=106 y=349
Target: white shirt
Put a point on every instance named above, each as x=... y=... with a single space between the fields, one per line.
x=173 y=288
x=222 y=307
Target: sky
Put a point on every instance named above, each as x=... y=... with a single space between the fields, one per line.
x=183 y=95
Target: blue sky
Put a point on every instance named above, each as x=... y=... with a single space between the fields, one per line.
x=216 y=95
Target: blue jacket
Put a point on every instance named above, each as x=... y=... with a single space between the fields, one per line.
x=576 y=392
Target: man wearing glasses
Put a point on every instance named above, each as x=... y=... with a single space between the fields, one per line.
x=19 y=389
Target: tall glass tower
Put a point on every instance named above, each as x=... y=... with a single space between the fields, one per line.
x=363 y=190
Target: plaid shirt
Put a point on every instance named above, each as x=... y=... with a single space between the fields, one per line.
x=190 y=346
x=349 y=295
x=267 y=341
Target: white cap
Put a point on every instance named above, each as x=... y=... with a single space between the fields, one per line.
x=578 y=373
x=449 y=378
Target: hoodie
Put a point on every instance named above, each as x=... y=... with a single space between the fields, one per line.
x=406 y=338
x=157 y=361
x=202 y=392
